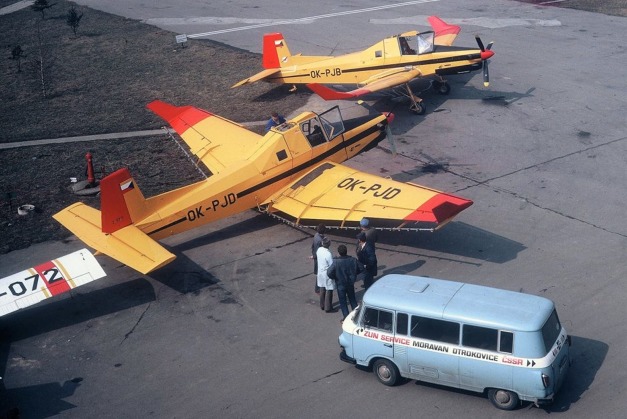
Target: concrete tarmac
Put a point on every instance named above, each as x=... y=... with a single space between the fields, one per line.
x=232 y=328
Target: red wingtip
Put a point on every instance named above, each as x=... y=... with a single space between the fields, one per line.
x=440 y=208
x=179 y=117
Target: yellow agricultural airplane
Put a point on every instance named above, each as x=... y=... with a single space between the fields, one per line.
x=395 y=61
x=291 y=173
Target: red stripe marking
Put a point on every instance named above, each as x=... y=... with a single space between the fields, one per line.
x=47 y=270
x=439 y=208
x=180 y=118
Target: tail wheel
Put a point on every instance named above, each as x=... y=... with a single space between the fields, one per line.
x=386 y=372
x=503 y=399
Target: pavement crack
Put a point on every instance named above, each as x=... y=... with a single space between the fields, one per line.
x=135 y=325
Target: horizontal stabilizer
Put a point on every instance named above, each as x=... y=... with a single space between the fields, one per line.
x=48 y=279
x=259 y=76
x=129 y=245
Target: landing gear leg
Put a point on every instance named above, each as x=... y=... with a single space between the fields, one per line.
x=417 y=106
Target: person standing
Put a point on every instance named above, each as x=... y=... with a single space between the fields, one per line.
x=366 y=256
x=371 y=232
x=345 y=270
x=317 y=242
x=325 y=259
x=275 y=120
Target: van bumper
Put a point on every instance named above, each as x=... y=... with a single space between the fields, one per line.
x=544 y=402
x=347 y=358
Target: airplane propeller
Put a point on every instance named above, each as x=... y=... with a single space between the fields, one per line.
x=486 y=53
x=388 y=132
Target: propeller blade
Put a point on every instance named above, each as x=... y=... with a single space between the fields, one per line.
x=489 y=47
x=486 y=74
x=481 y=47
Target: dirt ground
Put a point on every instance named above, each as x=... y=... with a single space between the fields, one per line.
x=100 y=81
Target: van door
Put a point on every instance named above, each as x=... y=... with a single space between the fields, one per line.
x=374 y=337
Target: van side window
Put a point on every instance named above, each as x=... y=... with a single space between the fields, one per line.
x=506 y=342
x=378 y=319
x=480 y=337
x=432 y=329
x=402 y=321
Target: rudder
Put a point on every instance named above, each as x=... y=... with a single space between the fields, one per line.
x=275 y=50
x=121 y=201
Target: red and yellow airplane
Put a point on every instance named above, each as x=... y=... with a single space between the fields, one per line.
x=292 y=173
x=395 y=61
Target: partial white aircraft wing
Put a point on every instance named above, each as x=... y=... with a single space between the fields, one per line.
x=48 y=279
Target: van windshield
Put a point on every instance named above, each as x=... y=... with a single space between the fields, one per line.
x=551 y=331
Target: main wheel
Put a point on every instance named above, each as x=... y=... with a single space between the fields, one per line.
x=418 y=108
x=386 y=372
x=503 y=399
x=444 y=88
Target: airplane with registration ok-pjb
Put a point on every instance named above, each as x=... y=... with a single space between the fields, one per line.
x=293 y=172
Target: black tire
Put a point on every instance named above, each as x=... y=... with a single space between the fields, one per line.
x=503 y=399
x=444 y=88
x=386 y=372
x=419 y=108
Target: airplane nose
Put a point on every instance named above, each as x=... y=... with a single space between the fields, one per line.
x=486 y=54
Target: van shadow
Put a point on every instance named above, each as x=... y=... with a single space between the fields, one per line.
x=587 y=356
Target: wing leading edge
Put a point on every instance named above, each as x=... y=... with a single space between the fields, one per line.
x=340 y=196
x=216 y=141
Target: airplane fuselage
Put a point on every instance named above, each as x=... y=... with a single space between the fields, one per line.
x=284 y=156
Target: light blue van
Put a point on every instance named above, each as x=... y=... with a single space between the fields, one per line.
x=506 y=344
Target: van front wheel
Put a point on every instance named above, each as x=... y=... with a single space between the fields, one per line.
x=503 y=399
x=386 y=372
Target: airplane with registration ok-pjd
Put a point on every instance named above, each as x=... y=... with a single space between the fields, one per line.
x=392 y=62
x=292 y=173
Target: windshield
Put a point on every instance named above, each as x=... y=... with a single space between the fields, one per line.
x=551 y=331
x=425 y=42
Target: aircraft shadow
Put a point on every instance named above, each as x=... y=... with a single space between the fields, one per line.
x=457 y=240
x=42 y=400
x=256 y=224
x=46 y=399
x=184 y=275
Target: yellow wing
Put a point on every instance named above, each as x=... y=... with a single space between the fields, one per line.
x=216 y=141
x=340 y=196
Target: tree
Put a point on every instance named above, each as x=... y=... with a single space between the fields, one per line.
x=74 y=19
x=17 y=53
x=41 y=6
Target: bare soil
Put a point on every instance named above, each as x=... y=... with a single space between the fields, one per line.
x=100 y=81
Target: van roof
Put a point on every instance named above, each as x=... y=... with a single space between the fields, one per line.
x=461 y=302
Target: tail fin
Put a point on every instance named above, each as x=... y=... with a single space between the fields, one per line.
x=121 y=201
x=275 y=50
x=445 y=34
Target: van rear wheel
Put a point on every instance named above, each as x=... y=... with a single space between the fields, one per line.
x=386 y=372
x=503 y=399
